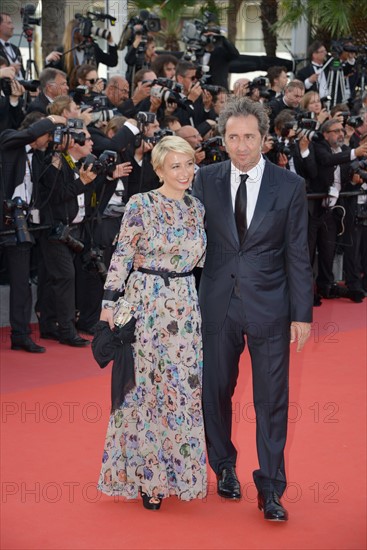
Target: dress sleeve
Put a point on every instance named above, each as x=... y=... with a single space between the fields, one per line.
x=131 y=230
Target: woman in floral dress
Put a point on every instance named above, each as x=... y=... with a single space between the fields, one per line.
x=155 y=441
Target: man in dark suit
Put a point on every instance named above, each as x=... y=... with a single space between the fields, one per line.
x=22 y=164
x=52 y=83
x=313 y=75
x=293 y=93
x=7 y=50
x=256 y=282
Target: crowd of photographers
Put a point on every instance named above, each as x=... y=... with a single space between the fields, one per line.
x=74 y=148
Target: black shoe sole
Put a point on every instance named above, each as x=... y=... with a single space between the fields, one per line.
x=229 y=497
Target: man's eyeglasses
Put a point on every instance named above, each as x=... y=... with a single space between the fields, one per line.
x=192 y=78
x=337 y=131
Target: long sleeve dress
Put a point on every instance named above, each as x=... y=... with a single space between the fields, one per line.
x=155 y=440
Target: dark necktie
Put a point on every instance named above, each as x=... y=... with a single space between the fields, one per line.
x=240 y=207
x=317 y=66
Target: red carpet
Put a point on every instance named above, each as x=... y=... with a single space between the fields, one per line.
x=54 y=419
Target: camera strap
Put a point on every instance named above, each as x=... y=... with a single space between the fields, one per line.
x=69 y=160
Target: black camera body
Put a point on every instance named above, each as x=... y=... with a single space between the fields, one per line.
x=27 y=14
x=104 y=165
x=93 y=262
x=145 y=117
x=158 y=135
x=14 y=216
x=61 y=131
x=282 y=148
x=195 y=37
x=359 y=167
x=262 y=84
x=28 y=85
x=61 y=234
x=213 y=152
x=355 y=121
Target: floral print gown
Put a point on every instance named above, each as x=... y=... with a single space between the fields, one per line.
x=155 y=440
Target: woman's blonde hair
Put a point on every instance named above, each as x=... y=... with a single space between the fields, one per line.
x=60 y=103
x=170 y=144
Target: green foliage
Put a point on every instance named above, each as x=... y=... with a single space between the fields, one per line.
x=335 y=16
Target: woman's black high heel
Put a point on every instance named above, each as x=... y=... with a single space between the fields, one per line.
x=147 y=501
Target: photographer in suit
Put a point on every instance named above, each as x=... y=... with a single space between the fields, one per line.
x=22 y=156
x=334 y=159
x=66 y=189
x=313 y=75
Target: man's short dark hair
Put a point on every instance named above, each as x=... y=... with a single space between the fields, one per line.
x=243 y=106
x=30 y=119
x=49 y=75
x=274 y=72
x=2 y=16
x=286 y=115
x=183 y=66
x=314 y=47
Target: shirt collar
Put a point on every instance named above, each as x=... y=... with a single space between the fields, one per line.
x=254 y=174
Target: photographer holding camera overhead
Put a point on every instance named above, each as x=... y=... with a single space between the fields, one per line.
x=79 y=47
x=22 y=159
x=11 y=102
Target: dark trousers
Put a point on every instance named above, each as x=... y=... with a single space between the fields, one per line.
x=354 y=246
x=59 y=261
x=20 y=303
x=270 y=366
x=322 y=234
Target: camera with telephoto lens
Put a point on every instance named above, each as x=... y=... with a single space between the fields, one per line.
x=60 y=233
x=211 y=88
x=104 y=165
x=28 y=85
x=213 y=152
x=87 y=28
x=15 y=217
x=100 y=110
x=158 y=135
x=171 y=93
x=93 y=262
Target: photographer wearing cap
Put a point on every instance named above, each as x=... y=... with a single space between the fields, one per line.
x=22 y=159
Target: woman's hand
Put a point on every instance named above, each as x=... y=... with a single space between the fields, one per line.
x=107 y=315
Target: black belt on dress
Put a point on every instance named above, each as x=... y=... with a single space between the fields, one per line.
x=166 y=275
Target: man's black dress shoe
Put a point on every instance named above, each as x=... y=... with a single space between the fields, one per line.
x=228 y=485
x=76 y=342
x=270 y=503
x=27 y=345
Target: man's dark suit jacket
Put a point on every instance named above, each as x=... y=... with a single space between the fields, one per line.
x=39 y=104
x=326 y=161
x=17 y=53
x=272 y=266
x=14 y=156
x=308 y=71
x=219 y=61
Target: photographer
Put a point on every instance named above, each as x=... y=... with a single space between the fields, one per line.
x=140 y=54
x=52 y=84
x=293 y=94
x=277 y=76
x=118 y=91
x=8 y=50
x=22 y=159
x=195 y=94
x=77 y=49
x=292 y=149
x=334 y=159
x=219 y=52
x=11 y=102
x=66 y=190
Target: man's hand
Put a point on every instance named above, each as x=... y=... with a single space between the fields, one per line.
x=361 y=150
x=57 y=119
x=53 y=56
x=313 y=78
x=195 y=92
x=122 y=170
x=199 y=156
x=8 y=72
x=303 y=144
x=141 y=92
x=17 y=90
x=86 y=175
x=300 y=332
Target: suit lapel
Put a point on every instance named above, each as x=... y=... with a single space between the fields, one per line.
x=223 y=182
x=265 y=201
